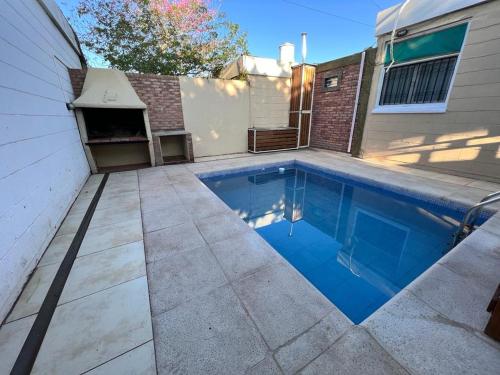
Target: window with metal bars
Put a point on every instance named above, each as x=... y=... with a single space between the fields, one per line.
x=418 y=83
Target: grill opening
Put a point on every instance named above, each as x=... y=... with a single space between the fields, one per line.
x=114 y=123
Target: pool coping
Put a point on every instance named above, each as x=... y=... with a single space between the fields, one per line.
x=409 y=297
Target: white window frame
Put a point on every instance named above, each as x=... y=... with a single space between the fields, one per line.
x=422 y=107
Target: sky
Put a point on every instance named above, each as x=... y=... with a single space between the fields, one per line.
x=335 y=28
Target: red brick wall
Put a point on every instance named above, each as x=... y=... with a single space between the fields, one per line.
x=161 y=94
x=77 y=77
x=332 y=110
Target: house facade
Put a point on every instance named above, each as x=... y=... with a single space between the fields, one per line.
x=43 y=163
x=435 y=100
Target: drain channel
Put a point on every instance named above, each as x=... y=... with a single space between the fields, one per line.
x=27 y=356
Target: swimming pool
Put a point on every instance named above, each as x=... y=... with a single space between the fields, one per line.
x=358 y=243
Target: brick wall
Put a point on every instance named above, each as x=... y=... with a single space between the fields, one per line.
x=332 y=110
x=77 y=77
x=161 y=94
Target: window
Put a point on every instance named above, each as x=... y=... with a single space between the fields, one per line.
x=420 y=77
x=331 y=82
x=425 y=82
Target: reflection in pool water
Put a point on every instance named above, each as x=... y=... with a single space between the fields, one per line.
x=357 y=244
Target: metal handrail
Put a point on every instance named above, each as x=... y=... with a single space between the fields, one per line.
x=486 y=198
x=489 y=199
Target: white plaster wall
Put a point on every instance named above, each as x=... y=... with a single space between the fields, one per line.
x=216 y=112
x=269 y=101
x=42 y=163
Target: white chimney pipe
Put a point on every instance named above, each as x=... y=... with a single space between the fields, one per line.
x=304 y=47
x=287 y=53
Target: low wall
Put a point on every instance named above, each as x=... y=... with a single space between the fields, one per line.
x=217 y=113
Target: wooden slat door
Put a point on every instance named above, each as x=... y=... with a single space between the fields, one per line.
x=301 y=100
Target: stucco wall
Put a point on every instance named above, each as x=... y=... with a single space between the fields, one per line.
x=43 y=165
x=466 y=139
x=216 y=112
x=269 y=101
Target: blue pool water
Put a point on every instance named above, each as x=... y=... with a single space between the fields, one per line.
x=358 y=244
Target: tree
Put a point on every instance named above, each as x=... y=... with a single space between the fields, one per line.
x=173 y=37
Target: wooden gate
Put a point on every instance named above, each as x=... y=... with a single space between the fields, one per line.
x=301 y=101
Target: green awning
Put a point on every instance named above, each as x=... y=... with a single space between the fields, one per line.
x=439 y=43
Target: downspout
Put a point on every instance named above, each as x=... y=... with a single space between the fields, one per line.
x=358 y=90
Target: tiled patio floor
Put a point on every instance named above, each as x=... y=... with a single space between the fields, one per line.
x=103 y=319
x=224 y=302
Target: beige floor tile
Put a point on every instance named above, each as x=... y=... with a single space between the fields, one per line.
x=105 y=237
x=139 y=361
x=12 y=338
x=56 y=250
x=89 y=274
x=102 y=270
x=34 y=292
x=90 y=331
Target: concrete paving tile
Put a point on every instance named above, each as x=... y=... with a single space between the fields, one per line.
x=476 y=258
x=221 y=227
x=492 y=225
x=138 y=361
x=34 y=292
x=181 y=277
x=204 y=206
x=282 y=303
x=102 y=270
x=12 y=337
x=151 y=171
x=191 y=187
x=469 y=195
x=113 y=190
x=123 y=177
x=268 y=366
x=161 y=218
x=153 y=182
x=172 y=170
x=89 y=189
x=80 y=205
x=94 y=179
x=88 y=275
x=125 y=200
x=425 y=342
x=208 y=335
x=163 y=199
x=189 y=197
x=355 y=353
x=165 y=242
x=56 y=250
x=70 y=224
x=181 y=178
x=92 y=330
x=255 y=251
x=115 y=215
x=105 y=237
x=461 y=299
x=297 y=353
x=485 y=185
